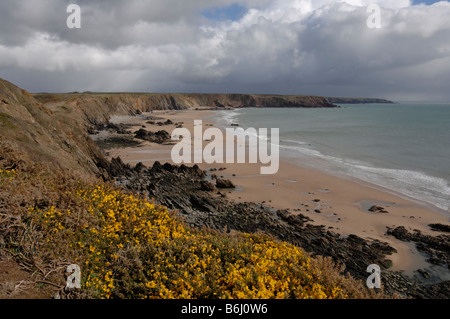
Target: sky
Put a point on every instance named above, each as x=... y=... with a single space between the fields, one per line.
x=317 y=47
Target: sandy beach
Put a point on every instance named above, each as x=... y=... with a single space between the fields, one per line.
x=340 y=204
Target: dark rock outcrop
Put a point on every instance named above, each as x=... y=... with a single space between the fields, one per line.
x=440 y=227
x=436 y=248
x=224 y=183
x=159 y=137
x=378 y=209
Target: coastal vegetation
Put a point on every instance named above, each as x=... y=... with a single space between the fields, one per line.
x=128 y=247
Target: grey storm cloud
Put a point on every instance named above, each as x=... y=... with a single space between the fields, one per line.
x=319 y=47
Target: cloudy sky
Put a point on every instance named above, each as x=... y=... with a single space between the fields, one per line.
x=321 y=47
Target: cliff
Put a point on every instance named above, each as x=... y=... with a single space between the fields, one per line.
x=100 y=106
x=44 y=137
x=259 y=100
x=53 y=128
x=353 y=100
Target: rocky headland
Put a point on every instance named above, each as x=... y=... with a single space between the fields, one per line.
x=353 y=100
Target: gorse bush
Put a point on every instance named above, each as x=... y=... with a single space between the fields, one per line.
x=131 y=248
x=128 y=247
x=7 y=174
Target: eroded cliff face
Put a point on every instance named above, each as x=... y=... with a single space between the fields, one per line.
x=53 y=128
x=35 y=130
x=99 y=107
x=258 y=100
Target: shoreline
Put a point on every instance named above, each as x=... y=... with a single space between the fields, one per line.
x=338 y=203
x=364 y=183
x=309 y=163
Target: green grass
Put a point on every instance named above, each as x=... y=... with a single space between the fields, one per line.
x=6 y=121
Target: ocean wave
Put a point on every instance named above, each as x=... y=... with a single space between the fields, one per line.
x=431 y=189
x=294 y=142
x=414 y=184
x=228 y=117
x=305 y=151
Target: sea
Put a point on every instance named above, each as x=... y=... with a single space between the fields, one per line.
x=401 y=147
